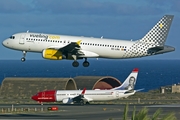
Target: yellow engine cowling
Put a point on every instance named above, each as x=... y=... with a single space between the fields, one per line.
x=52 y=54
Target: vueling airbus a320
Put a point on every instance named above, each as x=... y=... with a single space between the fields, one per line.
x=58 y=47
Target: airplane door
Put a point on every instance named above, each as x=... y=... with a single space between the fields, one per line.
x=117 y=94
x=22 y=39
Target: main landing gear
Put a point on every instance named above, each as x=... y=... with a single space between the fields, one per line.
x=85 y=63
x=24 y=55
x=76 y=63
x=82 y=102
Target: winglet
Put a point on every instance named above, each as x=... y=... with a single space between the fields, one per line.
x=83 y=92
x=79 y=42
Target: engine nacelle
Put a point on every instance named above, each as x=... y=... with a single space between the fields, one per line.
x=52 y=54
x=67 y=101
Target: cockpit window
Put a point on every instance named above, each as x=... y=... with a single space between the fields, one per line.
x=12 y=37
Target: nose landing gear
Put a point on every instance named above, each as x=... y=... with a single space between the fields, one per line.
x=24 y=55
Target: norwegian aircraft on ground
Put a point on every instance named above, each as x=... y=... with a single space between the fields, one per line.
x=58 y=47
x=86 y=96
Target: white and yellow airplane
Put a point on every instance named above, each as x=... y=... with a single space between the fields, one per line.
x=58 y=47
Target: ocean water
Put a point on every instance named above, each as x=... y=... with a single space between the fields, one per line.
x=152 y=73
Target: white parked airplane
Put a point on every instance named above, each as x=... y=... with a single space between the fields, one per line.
x=58 y=47
x=86 y=96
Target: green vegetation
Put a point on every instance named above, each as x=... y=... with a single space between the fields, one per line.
x=143 y=115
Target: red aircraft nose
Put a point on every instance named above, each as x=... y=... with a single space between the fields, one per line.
x=45 y=96
x=34 y=97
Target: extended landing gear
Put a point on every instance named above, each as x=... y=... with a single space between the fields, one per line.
x=24 y=55
x=87 y=103
x=82 y=102
x=23 y=59
x=85 y=63
x=75 y=64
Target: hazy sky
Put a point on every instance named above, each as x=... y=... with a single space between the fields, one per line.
x=118 y=19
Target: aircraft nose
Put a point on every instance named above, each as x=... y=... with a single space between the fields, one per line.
x=5 y=43
x=33 y=97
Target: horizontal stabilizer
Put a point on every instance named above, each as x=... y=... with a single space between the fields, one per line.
x=161 y=49
x=133 y=91
x=157 y=48
x=139 y=90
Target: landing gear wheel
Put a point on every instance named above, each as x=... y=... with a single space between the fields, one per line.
x=24 y=55
x=87 y=103
x=75 y=64
x=23 y=59
x=81 y=102
x=85 y=63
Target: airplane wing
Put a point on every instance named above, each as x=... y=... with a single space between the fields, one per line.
x=73 y=47
x=79 y=97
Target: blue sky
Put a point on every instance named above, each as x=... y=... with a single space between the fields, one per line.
x=117 y=19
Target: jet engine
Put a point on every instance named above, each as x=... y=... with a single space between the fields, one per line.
x=67 y=101
x=52 y=54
